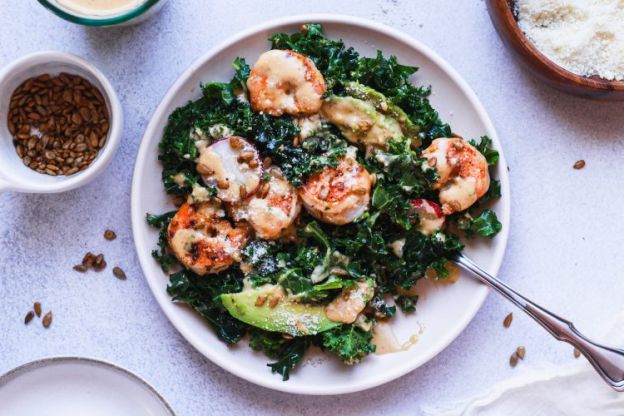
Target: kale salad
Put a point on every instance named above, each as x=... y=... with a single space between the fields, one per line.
x=313 y=191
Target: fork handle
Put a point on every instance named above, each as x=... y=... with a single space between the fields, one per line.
x=608 y=362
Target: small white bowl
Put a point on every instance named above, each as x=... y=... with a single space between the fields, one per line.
x=14 y=175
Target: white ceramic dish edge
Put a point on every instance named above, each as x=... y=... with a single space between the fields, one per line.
x=503 y=211
x=43 y=362
x=14 y=176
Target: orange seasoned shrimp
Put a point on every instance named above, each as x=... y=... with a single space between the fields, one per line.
x=284 y=81
x=338 y=195
x=203 y=240
x=272 y=209
x=463 y=171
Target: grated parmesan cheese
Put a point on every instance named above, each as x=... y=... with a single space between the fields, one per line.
x=583 y=36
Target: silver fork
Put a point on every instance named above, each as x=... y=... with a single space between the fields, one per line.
x=608 y=362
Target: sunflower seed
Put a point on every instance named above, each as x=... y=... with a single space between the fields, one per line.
x=580 y=164
x=507 y=321
x=88 y=259
x=521 y=352
x=119 y=273
x=29 y=317
x=110 y=235
x=37 y=308
x=47 y=320
x=513 y=360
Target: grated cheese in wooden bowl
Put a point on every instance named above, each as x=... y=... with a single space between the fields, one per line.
x=585 y=37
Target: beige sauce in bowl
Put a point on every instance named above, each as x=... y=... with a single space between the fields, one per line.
x=99 y=7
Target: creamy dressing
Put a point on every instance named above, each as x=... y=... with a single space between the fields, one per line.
x=348 y=305
x=397 y=247
x=99 y=7
x=201 y=194
x=179 y=179
x=386 y=341
x=308 y=125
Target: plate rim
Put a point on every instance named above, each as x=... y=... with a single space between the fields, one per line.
x=503 y=211
x=12 y=374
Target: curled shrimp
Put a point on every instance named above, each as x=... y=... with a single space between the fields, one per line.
x=463 y=173
x=203 y=240
x=272 y=209
x=338 y=195
x=284 y=81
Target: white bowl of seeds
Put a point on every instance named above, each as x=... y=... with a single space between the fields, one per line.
x=60 y=123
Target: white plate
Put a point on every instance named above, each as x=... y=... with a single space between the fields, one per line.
x=77 y=387
x=443 y=311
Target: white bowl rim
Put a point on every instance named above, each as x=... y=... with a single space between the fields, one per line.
x=138 y=218
x=66 y=183
x=54 y=360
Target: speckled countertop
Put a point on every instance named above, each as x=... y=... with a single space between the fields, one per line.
x=565 y=247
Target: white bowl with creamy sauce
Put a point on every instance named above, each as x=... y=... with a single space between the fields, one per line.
x=104 y=12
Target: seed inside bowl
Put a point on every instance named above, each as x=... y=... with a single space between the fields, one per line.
x=58 y=124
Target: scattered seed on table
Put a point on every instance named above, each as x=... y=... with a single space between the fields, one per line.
x=507 y=321
x=580 y=164
x=577 y=353
x=88 y=259
x=99 y=264
x=80 y=268
x=521 y=352
x=37 y=308
x=119 y=273
x=513 y=360
x=47 y=320
x=110 y=235
x=29 y=317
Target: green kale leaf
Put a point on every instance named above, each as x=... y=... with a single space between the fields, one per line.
x=350 y=342
x=485 y=225
x=406 y=303
x=485 y=148
x=162 y=254
x=202 y=295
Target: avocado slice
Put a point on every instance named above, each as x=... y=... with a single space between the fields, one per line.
x=384 y=106
x=285 y=316
x=360 y=122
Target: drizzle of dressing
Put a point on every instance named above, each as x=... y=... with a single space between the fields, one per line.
x=179 y=179
x=100 y=7
x=386 y=341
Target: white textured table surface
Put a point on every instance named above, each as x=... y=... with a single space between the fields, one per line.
x=565 y=247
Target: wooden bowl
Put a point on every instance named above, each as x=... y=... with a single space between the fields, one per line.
x=502 y=15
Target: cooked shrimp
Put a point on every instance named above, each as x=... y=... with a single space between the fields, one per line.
x=463 y=171
x=283 y=81
x=272 y=209
x=350 y=302
x=232 y=166
x=203 y=240
x=338 y=195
